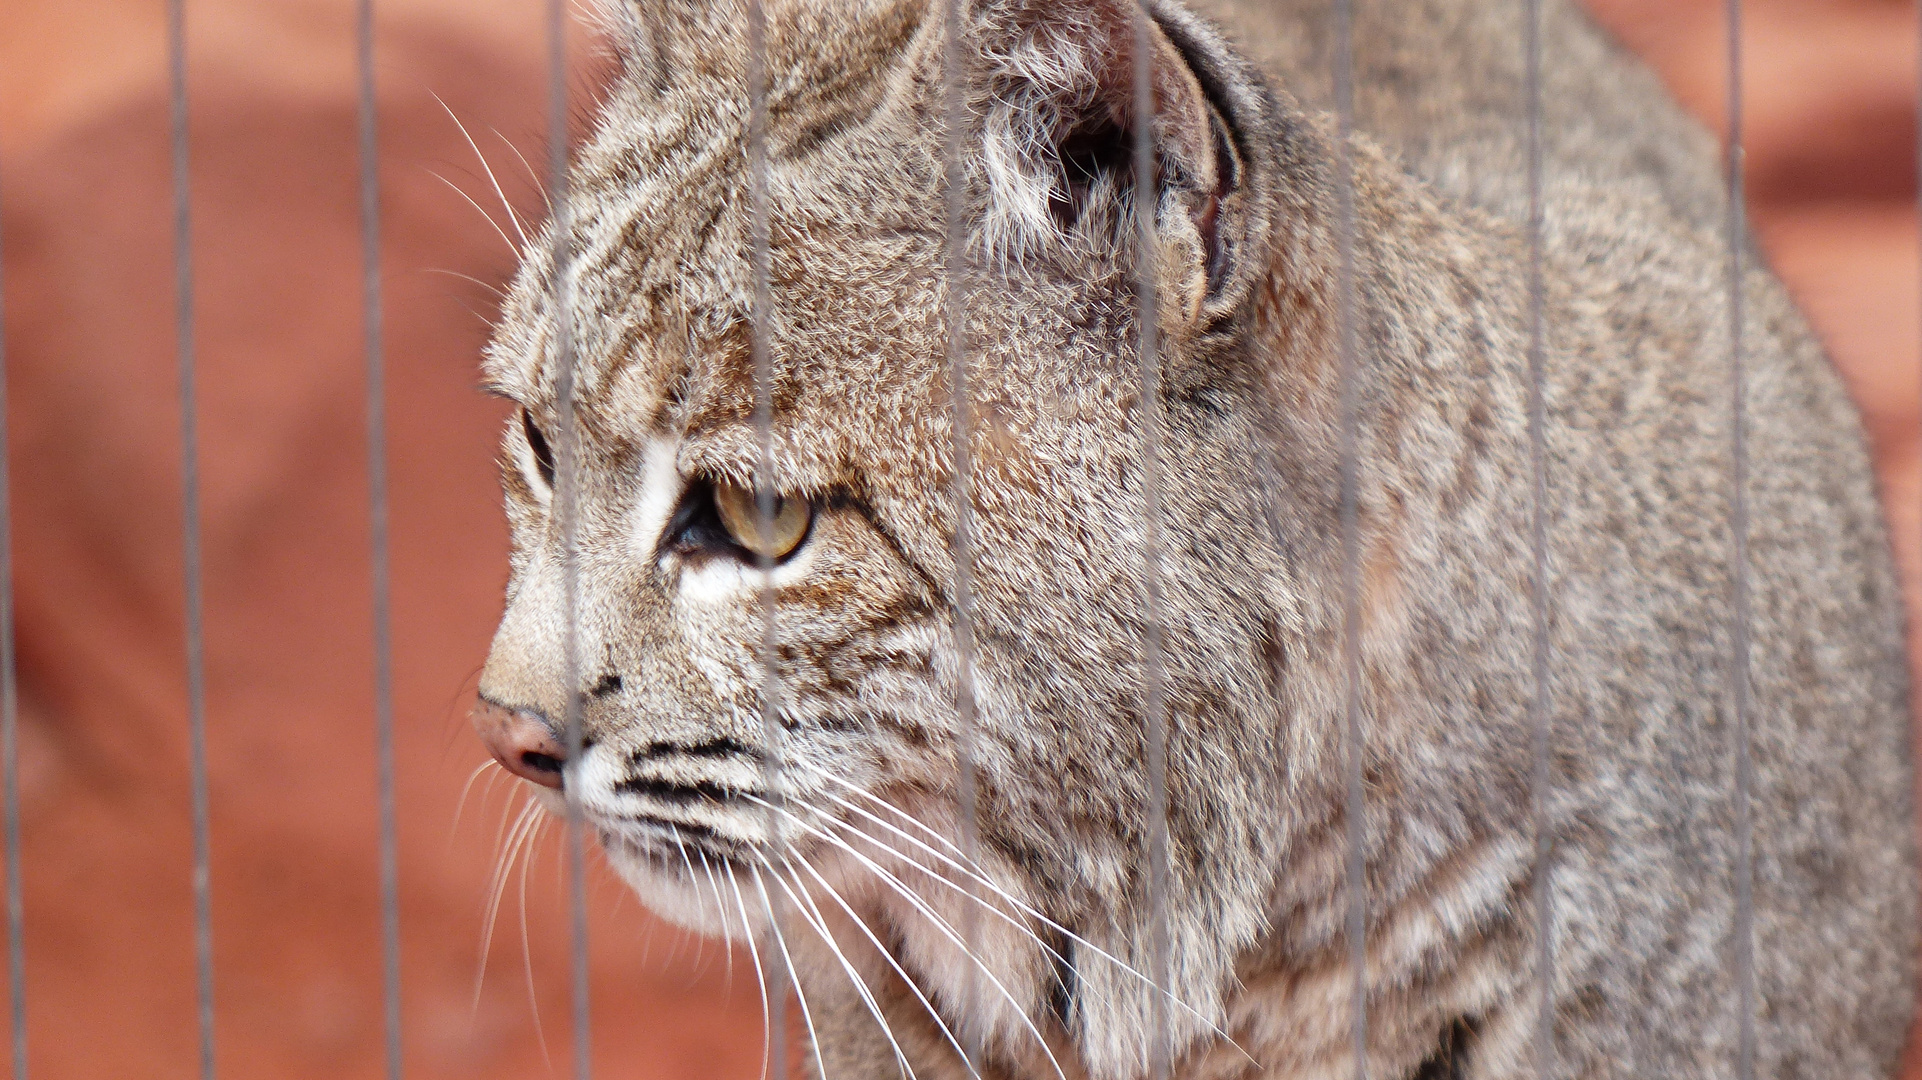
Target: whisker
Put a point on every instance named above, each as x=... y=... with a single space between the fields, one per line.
x=490 y=218
x=1024 y=907
x=777 y=1039
x=727 y=933
x=531 y=174
x=482 y=319
x=930 y=872
x=920 y=904
x=860 y=985
x=496 y=290
x=461 y=804
x=497 y=881
x=760 y=979
x=505 y=205
x=497 y=889
x=913 y=987
x=700 y=954
x=501 y=830
x=527 y=949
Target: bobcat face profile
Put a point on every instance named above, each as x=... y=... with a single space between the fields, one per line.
x=1018 y=922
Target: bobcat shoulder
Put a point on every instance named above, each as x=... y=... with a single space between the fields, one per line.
x=1029 y=938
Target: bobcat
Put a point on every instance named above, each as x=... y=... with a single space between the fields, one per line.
x=1012 y=915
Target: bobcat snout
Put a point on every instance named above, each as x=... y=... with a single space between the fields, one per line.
x=521 y=741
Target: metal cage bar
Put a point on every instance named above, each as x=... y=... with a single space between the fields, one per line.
x=377 y=522
x=567 y=519
x=1744 y=959
x=1154 y=702
x=1540 y=718
x=955 y=274
x=1155 y=717
x=10 y=729
x=194 y=607
x=1347 y=347
x=766 y=496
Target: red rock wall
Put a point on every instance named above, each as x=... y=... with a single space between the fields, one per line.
x=85 y=236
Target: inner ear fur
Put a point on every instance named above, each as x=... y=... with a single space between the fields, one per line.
x=1070 y=65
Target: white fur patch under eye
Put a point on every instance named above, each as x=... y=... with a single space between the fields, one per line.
x=715 y=580
x=661 y=486
x=720 y=580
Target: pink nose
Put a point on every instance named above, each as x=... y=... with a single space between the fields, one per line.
x=520 y=741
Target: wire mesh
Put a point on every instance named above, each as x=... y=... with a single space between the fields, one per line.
x=1348 y=359
x=957 y=284
x=766 y=494
x=194 y=607
x=1154 y=703
x=1539 y=703
x=377 y=527
x=1739 y=660
x=567 y=489
x=10 y=728
x=956 y=280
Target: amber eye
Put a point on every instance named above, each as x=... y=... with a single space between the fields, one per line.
x=786 y=527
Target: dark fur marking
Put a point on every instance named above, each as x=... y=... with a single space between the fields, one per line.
x=675 y=794
x=1061 y=996
x=701 y=836
x=1450 y=1059
x=823 y=131
x=713 y=748
x=1274 y=654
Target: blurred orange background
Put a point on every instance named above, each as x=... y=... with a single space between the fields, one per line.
x=85 y=251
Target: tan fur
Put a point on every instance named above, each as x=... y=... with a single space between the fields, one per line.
x=658 y=288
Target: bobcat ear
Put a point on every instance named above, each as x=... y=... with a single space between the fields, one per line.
x=1063 y=118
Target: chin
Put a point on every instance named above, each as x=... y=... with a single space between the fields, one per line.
x=709 y=897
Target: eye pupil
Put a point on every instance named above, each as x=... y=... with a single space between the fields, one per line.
x=543 y=453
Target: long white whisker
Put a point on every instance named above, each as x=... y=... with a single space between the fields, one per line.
x=531 y=174
x=497 y=889
x=508 y=240
x=694 y=880
x=461 y=804
x=933 y=834
x=727 y=933
x=496 y=290
x=760 y=978
x=920 y=903
x=860 y=985
x=527 y=948
x=930 y=872
x=494 y=780
x=913 y=987
x=501 y=830
x=681 y=846
x=1016 y=924
x=509 y=207
x=887 y=876
x=1024 y=907
x=794 y=976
